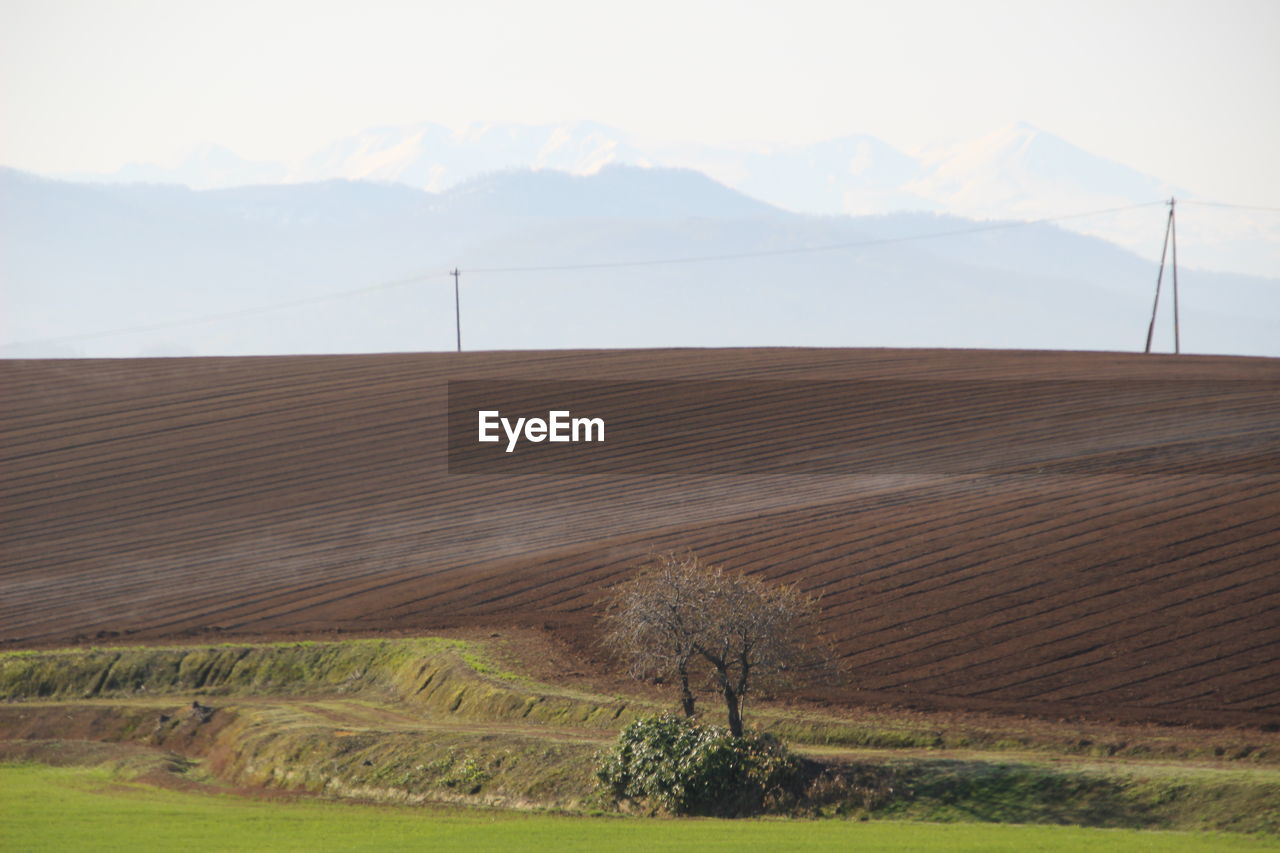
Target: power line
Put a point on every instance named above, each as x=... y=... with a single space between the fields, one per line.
x=832 y=247
x=231 y=315
x=311 y=300
x=1234 y=206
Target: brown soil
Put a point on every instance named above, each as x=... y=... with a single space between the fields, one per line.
x=171 y=498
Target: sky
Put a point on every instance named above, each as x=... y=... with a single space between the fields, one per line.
x=1184 y=91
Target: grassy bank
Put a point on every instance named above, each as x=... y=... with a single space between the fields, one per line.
x=429 y=674
x=436 y=676
x=433 y=720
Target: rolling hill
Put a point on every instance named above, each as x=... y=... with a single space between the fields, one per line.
x=170 y=498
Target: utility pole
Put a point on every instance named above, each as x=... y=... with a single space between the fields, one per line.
x=1173 y=232
x=1170 y=235
x=457 y=307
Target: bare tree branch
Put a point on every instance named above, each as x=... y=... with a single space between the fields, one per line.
x=679 y=615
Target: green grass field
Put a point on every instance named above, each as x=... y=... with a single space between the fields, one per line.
x=61 y=809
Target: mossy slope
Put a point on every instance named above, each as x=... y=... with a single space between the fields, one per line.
x=413 y=720
x=432 y=675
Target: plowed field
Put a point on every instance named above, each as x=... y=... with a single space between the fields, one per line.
x=170 y=497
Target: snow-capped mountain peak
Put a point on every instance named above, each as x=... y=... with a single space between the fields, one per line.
x=1021 y=169
x=1018 y=171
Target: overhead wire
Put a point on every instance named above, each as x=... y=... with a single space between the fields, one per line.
x=644 y=262
x=231 y=315
x=800 y=250
x=1233 y=206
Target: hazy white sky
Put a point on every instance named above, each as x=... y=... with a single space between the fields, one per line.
x=1185 y=91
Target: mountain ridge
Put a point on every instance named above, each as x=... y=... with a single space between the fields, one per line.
x=1018 y=171
x=627 y=257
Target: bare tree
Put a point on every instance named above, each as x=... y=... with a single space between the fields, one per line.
x=758 y=637
x=680 y=615
x=653 y=619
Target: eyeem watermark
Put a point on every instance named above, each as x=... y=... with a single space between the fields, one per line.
x=559 y=426
x=874 y=426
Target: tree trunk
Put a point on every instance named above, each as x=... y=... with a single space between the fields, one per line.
x=733 y=702
x=686 y=695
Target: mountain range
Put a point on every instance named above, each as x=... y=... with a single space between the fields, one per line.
x=623 y=257
x=1018 y=171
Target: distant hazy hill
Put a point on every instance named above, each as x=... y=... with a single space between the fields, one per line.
x=1018 y=171
x=83 y=259
x=614 y=192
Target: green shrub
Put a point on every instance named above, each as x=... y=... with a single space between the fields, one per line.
x=672 y=764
